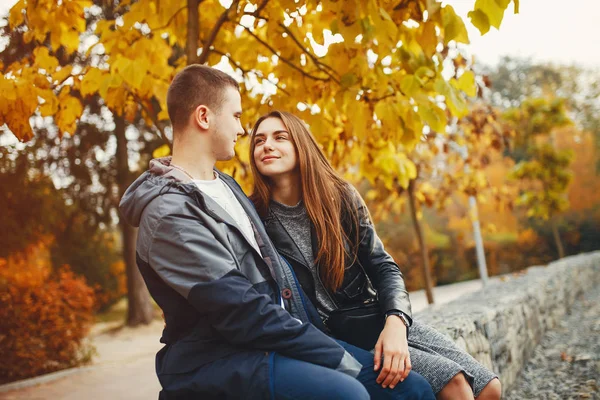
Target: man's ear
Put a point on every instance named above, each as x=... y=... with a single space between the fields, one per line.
x=201 y=116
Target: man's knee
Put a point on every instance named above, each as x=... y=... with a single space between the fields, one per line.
x=347 y=388
x=416 y=387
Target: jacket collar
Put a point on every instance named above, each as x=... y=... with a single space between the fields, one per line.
x=284 y=242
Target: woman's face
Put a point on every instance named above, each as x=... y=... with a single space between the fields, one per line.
x=274 y=151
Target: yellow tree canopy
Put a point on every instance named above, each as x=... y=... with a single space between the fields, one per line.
x=366 y=75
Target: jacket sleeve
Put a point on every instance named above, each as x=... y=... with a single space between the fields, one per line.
x=197 y=264
x=378 y=264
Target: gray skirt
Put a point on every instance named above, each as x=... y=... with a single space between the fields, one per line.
x=438 y=359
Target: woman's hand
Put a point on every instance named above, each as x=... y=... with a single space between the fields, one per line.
x=393 y=345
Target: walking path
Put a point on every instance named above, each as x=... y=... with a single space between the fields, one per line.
x=124 y=366
x=566 y=364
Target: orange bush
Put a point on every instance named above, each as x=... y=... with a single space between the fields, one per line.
x=44 y=316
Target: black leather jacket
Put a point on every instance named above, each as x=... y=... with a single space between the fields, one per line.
x=371 y=275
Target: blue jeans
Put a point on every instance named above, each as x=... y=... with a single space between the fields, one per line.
x=294 y=379
x=414 y=387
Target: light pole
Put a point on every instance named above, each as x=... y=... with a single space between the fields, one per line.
x=474 y=213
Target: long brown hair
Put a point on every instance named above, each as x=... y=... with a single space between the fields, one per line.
x=326 y=196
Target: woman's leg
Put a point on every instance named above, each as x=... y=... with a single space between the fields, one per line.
x=298 y=380
x=443 y=363
x=414 y=387
x=456 y=389
x=491 y=391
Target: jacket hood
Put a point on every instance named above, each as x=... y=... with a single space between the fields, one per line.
x=156 y=181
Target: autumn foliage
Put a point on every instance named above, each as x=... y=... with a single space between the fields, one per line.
x=44 y=315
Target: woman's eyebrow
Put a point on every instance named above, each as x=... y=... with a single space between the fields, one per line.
x=272 y=133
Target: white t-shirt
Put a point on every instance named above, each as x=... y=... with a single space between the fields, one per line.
x=223 y=196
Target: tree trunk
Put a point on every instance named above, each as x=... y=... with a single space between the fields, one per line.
x=557 y=240
x=193 y=32
x=139 y=309
x=422 y=245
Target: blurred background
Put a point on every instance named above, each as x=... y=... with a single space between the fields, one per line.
x=465 y=124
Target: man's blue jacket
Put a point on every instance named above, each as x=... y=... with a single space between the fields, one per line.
x=220 y=297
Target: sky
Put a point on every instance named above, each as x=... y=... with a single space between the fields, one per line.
x=558 y=31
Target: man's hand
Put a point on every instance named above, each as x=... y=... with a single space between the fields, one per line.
x=393 y=345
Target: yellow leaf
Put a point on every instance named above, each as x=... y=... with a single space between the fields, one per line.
x=360 y=116
x=480 y=20
x=428 y=38
x=50 y=107
x=456 y=104
x=16 y=17
x=163 y=115
x=433 y=116
x=70 y=40
x=410 y=85
x=454 y=27
x=63 y=73
x=161 y=151
x=371 y=195
x=130 y=109
x=128 y=71
x=7 y=88
x=492 y=10
x=92 y=81
x=467 y=84
x=69 y=111
x=44 y=60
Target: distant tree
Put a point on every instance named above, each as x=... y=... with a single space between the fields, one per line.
x=515 y=79
x=542 y=167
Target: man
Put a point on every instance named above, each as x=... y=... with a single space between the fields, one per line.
x=208 y=263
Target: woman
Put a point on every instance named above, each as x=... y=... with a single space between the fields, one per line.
x=321 y=225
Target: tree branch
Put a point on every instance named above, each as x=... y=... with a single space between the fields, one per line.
x=246 y=72
x=286 y=61
x=213 y=34
x=160 y=132
x=320 y=65
x=170 y=19
x=314 y=59
x=256 y=13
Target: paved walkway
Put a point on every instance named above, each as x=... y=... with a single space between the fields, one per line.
x=124 y=367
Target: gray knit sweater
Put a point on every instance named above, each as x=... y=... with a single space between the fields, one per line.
x=296 y=222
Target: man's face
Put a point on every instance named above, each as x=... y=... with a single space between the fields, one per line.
x=227 y=126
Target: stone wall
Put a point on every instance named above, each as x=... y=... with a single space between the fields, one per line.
x=501 y=324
